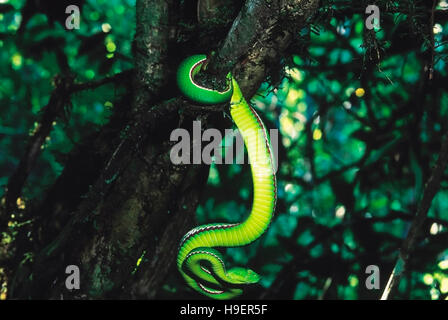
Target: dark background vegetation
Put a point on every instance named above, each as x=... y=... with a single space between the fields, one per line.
x=85 y=118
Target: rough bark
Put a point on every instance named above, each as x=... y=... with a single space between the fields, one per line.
x=133 y=204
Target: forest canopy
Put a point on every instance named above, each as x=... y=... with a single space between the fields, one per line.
x=85 y=122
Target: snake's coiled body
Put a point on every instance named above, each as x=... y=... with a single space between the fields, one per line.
x=203 y=267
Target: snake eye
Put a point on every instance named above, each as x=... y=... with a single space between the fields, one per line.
x=243 y=275
x=202 y=266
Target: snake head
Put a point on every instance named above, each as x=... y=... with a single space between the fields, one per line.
x=243 y=275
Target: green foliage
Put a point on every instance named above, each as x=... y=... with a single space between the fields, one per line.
x=353 y=163
x=360 y=128
x=34 y=55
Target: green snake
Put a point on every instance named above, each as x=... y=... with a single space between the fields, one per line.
x=202 y=266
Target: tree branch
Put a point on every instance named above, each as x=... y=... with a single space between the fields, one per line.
x=432 y=187
x=59 y=99
x=258 y=38
x=140 y=201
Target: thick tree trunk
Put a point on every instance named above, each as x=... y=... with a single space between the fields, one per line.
x=120 y=199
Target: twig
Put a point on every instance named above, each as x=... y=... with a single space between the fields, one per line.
x=432 y=187
x=97 y=83
x=432 y=39
x=55 y=107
